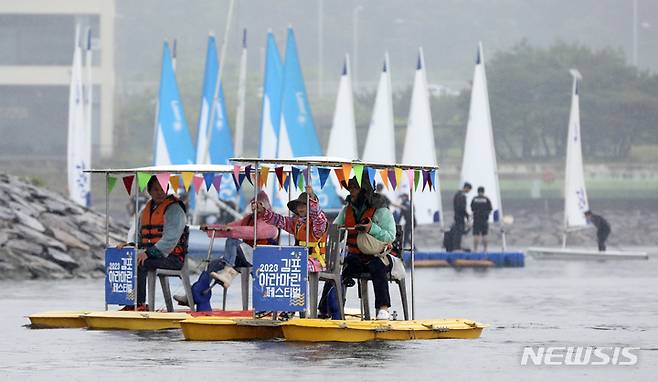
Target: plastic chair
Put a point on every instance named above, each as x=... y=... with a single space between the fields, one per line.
x=402 y=287
x=336 y=242
x=164 y=275
x=244 y=281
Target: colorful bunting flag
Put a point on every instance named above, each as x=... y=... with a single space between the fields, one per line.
x=371 y=175
x=142 y=180
x=341 y=177
x=300 y=183
x=398 y=176
x=217 y=182
x=279 y=176
x=111 y=181
x=284 y=178
x=174 y=180
x=410 y=178
x=384 y=175
x=236 y=176
x=241 y=180
x=358 y=172
x=163 y=180
x=323 y=173
x=208 y=178
x=347 y=172
x=306 y=175
x=392 y=178
x=286 y=182
x=426 y=178
x=295 y=175
x=416 y=179
x=434 y=179
x=263 y=176
x=128 y=183
x=197 y=180
x=247 y=174
x=187 y=179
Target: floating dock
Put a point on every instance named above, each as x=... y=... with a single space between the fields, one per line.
x=467 y=259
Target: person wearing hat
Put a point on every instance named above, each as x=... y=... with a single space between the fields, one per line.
x=461 y=215
x=296 y=225
x=371 y=230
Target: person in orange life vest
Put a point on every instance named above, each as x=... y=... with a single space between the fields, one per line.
x=163 y=237
x=238 y=250
x=371 y=230
x=296 y=225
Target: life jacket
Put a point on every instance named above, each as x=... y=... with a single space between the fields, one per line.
x=317 y=246
x=152 y=225
x=350 y=222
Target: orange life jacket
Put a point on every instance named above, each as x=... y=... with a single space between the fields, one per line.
x=350 y=221
x=317 y=246
x=152 y=225
x=272 y=241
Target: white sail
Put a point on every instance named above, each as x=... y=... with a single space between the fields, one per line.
x=479 y=162
x=419 y=147
x=575 y=194
x=78 y=150
x=380 y=142
x=242 y=89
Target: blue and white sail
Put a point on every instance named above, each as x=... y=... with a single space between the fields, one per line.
x=79 y=133
x=214 y=144
x=419 y=148
x=479 y=165
x=172 y=143
x=297 y=134
x=271 y=113
x=575 y=193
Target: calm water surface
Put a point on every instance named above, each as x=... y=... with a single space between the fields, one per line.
x=550 y=303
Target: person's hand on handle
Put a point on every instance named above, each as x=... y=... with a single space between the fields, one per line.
x=258 y=206
x=309 y=191
x=141 y=257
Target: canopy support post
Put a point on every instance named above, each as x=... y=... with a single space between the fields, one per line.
x=413 y=256
x=135 y=265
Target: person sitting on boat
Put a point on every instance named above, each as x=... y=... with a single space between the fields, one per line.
x=461 y=215
x=238 y=249
x=296 y=225
x=371 y=230
x=481 y=208
x=163 y=237
x=602 y=228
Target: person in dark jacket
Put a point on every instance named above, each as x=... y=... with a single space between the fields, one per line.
x=602 y=228
x=461 y=215
x=481 y=209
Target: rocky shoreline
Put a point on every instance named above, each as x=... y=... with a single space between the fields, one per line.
x=44 y=235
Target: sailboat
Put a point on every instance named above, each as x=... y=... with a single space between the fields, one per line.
x=419 y=146
x=297 y=134
x=79 y=126
x=479 y=165
x=575 y=195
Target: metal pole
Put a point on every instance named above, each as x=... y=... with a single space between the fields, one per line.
x=289 y=200
x=413 y=256
x=107 y=219
x=136 y=186
x=308 y=225
x=256 y=188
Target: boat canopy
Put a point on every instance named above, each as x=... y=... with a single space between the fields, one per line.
x=172 y=168
x=325 y=161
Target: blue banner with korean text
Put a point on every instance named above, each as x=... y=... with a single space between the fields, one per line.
x=280 y=278
x=120 y=276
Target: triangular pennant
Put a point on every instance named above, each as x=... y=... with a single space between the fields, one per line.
x=300 y=183
x=347 y=171
x=279 y=176
x=174 y=180
x=307 y=175
x=295 y=175
x=208 y=178
x=286 y=183
x=410 y=178
x=323 y=173
x=398 y=176
x=241 y=180
x=187 y=179
x=247 y=174
x=128 y=183
x=426 y=178
x=341 y=177
x=416 y=179
x=384 y=175
x=433 y=179
x=142 y=180
x=111 y=181
x=358 y=172
x=371 y=175
x=217 y=182
x=163 y=180
x=284 y=178
x=197 y=181
x=263 y=176
x=236 y=176
x=392 y=178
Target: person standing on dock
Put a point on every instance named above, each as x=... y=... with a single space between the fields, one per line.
x=163 y=237
x=481 y=208
x=461 y=215
x=405 y=213
x=602 y=228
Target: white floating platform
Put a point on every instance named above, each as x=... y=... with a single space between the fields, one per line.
x=561 y=253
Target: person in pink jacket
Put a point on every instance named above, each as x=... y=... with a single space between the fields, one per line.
x=238 y=250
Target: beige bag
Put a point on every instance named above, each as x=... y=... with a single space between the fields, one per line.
x=369 y=245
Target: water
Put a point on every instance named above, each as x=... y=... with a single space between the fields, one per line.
x=550 y=303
